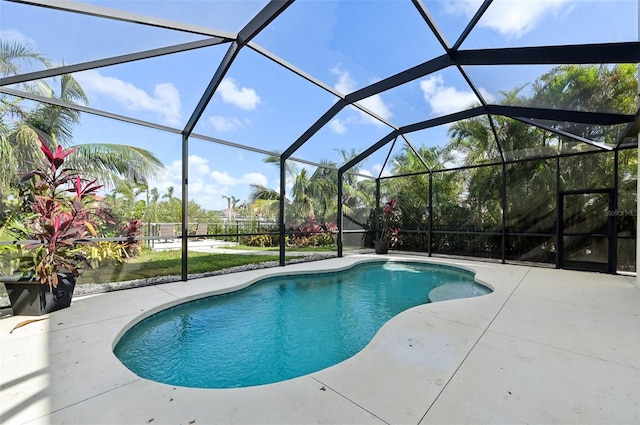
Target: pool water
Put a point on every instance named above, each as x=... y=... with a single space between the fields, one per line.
x=281 y=327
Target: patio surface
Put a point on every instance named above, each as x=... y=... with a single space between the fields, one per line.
x=214 y=246
x=546 y=347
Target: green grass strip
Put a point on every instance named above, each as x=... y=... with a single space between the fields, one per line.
x=169 y=263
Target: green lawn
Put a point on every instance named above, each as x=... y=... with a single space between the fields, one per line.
x=169 y=263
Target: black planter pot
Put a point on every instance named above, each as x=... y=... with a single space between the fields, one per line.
x=381 y=247
x=31 y=298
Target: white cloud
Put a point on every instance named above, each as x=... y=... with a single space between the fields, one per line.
x=165 y=100
x=376 y=168
x=197 y=165
x=446 y=99
x=175 y=169
x=360 y=177
x=345 y=84
x=510 y=17
x=254 y=178
x=207 y=186
x=15 y=36
x=242 y=97
x=366 y=172
x=223 y=178
x=170 y=178
x=226 y=124
x=375 y=103
x=337 y=126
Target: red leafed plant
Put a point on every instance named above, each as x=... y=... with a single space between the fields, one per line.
x=391 y=224
x=61 y=207
x=132 y=229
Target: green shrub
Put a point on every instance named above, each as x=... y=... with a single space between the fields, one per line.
x=262 y=241
x=10 y=257
x=323 y=239
x=105 y=253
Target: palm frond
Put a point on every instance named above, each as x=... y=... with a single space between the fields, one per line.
x=110 y=162
x=12 y=54
x=259 y=192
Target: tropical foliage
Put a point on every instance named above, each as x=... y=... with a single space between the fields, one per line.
x=468 y=203
x=513 y=182
x=24 y=124
x=391 y=219
x=56 y=219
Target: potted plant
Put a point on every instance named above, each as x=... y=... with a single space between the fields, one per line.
x=390 y=236
x=58 y=209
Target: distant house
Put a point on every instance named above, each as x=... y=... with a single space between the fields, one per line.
x=228 y=213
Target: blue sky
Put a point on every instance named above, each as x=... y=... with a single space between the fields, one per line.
x=345 y=44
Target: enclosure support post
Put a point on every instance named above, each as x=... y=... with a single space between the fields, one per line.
x=430 y=207
x=340 y=217
x=638 y=180
x=613 y=231
x=377 y=209
x=504 y=212
x=559 y=207
x=283 y=191
x=185 y=206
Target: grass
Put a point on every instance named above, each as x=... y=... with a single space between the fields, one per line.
x=165 y=263
x=169 y=263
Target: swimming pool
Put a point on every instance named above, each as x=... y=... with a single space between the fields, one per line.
x=281 y=327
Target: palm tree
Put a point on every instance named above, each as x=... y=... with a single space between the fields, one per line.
x=315 y=196
x=323 y=190
x=155 y=195
x=232 y=201
x=302 y=206
x=357 y=195
x=264 y=201
x=153 y=203
x=473 y=140
x=291 y=170
x=21 y=130
x=129 y=191
x=12 y=55
x=169 y=194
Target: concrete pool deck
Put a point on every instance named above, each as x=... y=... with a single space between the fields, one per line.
x=547 y=346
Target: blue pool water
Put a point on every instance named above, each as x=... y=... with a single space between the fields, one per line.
x=281 y=327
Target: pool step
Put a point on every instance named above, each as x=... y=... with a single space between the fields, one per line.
x=452 y=291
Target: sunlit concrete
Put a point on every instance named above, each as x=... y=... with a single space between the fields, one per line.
x=547 y=346
x=215 y=246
